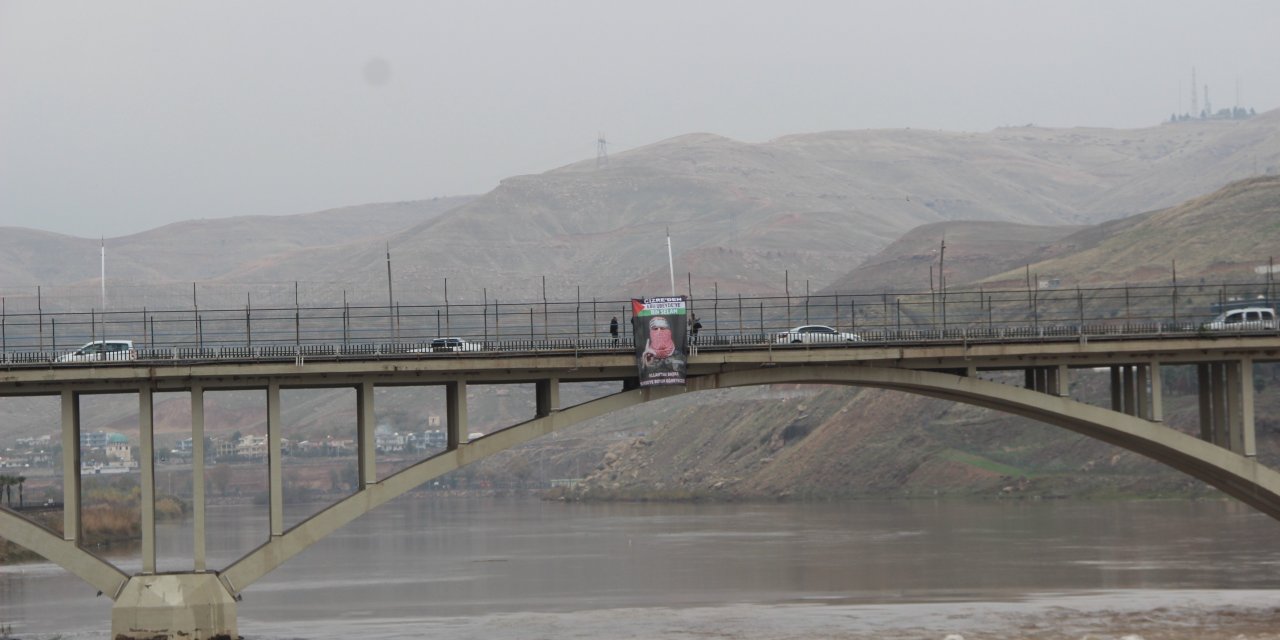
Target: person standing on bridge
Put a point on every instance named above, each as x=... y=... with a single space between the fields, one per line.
x=613 y=330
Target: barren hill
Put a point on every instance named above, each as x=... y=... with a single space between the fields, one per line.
x=818 y=442
x=1224 y=235
x=811 y=205
x=742 y=216
x=974 y=250
x=200 y=249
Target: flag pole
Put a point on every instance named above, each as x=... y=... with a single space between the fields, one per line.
x=671 y=265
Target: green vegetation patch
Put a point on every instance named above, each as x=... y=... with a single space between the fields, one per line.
x=985 y=464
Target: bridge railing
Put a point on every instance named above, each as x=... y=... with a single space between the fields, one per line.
x=41 y=338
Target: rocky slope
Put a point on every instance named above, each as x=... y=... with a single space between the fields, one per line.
x=823 y=442
x=1223 y=235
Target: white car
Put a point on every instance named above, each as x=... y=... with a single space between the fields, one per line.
x=815 y=334
x=1246 y=319
x=102 y=351
x=452 y=344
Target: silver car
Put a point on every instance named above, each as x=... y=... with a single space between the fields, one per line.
x=1246 y=319
x=814 y=334
x=102 y=351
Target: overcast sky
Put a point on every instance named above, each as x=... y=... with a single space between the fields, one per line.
x=121 y=116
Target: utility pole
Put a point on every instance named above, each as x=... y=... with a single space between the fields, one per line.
x=942 y=279
x=103 y=245
x=602 y=151
x=391 y=316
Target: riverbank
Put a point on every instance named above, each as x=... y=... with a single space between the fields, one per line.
x=1119 y=615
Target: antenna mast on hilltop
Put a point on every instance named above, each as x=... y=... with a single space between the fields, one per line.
x=1195 y=105
x=602 y=151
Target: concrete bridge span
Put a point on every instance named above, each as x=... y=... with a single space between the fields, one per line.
x=201 y=603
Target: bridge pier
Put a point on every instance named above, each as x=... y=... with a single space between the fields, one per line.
x=455 y=399
x=1226 y=405
x=1135 y=391
x=192 y=606
x=1052 y=380
x=548 y=396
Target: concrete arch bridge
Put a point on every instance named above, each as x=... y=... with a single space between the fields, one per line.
x=201 y=602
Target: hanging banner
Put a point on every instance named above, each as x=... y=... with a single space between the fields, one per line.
x=661 y=335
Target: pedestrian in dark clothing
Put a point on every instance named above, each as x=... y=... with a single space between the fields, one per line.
x=613 y=330
x=693 y=329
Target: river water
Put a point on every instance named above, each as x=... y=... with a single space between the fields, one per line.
x=498 y=568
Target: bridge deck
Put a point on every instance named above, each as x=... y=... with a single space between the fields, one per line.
x=569 y=364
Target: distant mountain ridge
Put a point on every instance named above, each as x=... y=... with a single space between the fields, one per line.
x=812 y=206
x=200 y=249
x=742 y=217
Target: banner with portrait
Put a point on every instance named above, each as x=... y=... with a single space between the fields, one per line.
x=660 y=330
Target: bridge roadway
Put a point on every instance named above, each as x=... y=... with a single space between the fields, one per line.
x=201 y=603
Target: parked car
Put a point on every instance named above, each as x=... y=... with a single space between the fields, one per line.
x=102 y=350
x=452 y=344
x=815 y=333
x=1246 y=319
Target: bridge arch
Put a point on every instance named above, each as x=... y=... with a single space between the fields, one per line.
x=1241 y=477
x=65 y=553
x=1238 y=476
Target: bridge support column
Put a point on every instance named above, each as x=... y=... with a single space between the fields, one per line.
x=1218 y=400
x=1140 y=382
x=70 y=466
x=365 y=427
x=1117 y=400
x=455 y=396
x=1249 y=435
x=1157 y=393
x=197 y=477
x=1239 y=402
x=192 y=606
x=1042 y=379
x=275 y=458
x=548 y=397
x=1226 y=405
x=1205 y=394
x=147 y=480
x=1128 y=391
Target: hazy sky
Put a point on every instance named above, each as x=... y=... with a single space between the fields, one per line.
x=120 y=116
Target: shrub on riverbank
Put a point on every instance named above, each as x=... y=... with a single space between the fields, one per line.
x=111 y=516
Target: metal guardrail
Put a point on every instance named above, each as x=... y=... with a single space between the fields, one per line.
x=712 y=342
x=192 y=335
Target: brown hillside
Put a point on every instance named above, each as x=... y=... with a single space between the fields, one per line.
x=974 y=250
x=199 y=249
x=741 y=215
x=820 y=442
x=1221 y=236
